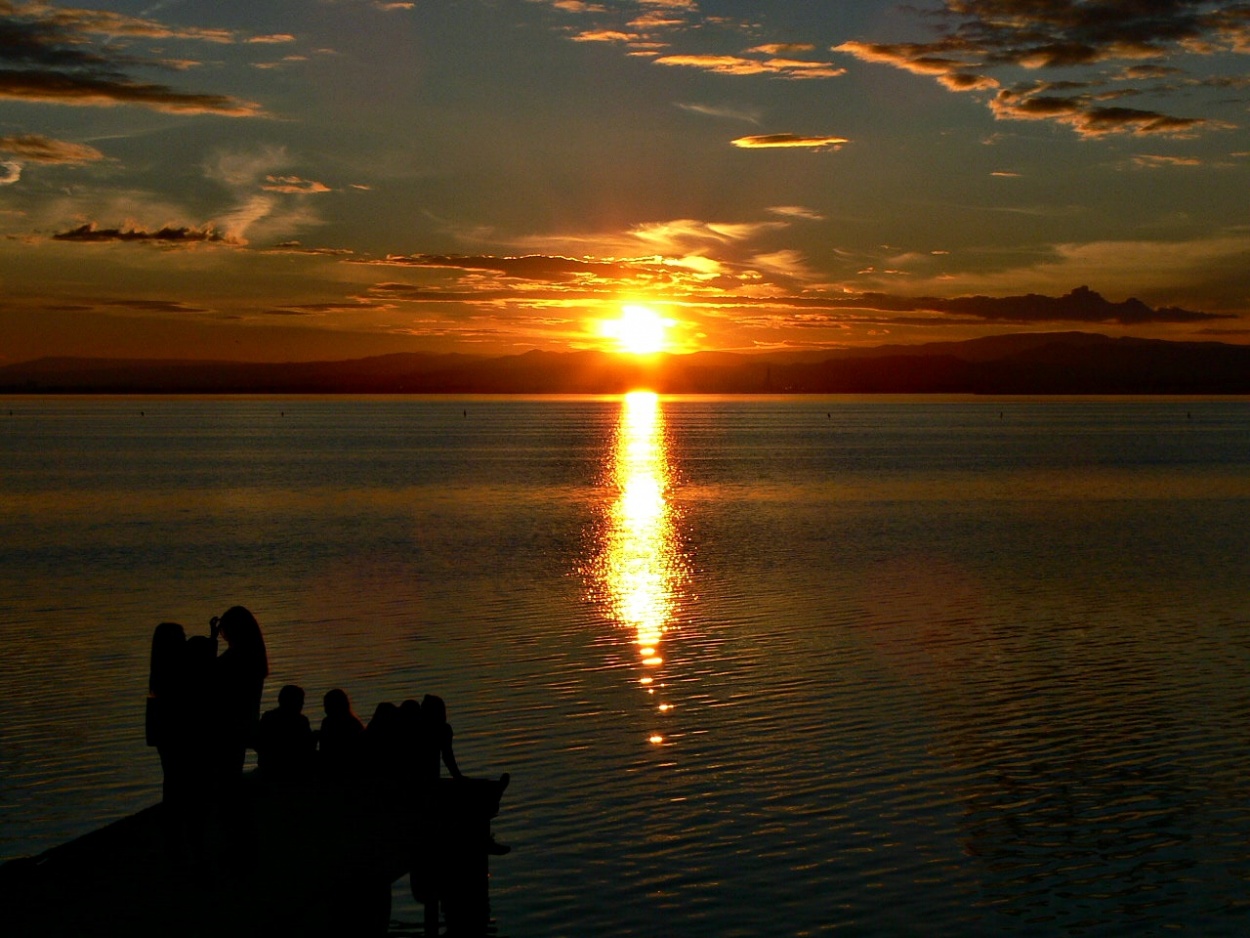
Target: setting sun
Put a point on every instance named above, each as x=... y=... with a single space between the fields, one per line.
x=639 y=331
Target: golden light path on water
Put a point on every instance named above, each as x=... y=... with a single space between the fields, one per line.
x=641 y=567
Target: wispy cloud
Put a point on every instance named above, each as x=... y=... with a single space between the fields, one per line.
x=796 y=211
x=1155 y=161
x=727 y=112
x=294 y=185
x=40 y=149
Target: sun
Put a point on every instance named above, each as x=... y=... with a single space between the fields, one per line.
x=639 y=331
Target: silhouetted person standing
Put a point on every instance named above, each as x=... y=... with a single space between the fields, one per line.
x=163 y=720
x=179 y=726
x=238 y=681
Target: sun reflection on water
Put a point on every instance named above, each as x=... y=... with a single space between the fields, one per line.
x=641 y=567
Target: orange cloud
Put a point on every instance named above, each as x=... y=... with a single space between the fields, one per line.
x=40 y=149
x=737 y=65
x=774 y=141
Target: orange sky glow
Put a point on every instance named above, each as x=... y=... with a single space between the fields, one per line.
x=277 y=183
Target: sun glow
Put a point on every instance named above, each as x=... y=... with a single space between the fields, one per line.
x=640 y=330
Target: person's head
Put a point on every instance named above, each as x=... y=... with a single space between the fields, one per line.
x=291 y=697
x=386 y=724
x=433 y=709
x=242 y=633
x=337 y=703
x=168 y=649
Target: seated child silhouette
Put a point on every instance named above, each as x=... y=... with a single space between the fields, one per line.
x=285 y=743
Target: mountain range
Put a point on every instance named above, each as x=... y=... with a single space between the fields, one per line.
x=1021 y=363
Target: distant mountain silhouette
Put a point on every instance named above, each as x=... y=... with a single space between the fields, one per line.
x=1022 y=363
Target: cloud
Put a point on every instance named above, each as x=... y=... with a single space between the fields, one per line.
x=979 y=38
x=1081 y=305
x=1089 y=119
x=774 y=141
x=527 y=267
x=90 y=233
x=1152 y=161
x=40 y=149
x=605 y=35
x=738 y=65
x=53 y=55
x=156 y=306
x=293 y=184
x=10 y=172
x=796 y=211
x=722 y=111
x=47 y=87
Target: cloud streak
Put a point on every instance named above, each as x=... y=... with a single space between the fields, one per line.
x=788 y=141
x=89 y=233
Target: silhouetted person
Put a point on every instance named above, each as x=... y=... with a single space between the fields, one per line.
x=385 y=743
x=239 y=679
x=434 y=747
x=162 y=727
x=285 y=743
x=179 y=726
x=410 y=728
x=340 y=738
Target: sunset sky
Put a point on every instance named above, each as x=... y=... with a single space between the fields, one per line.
x=310 y=179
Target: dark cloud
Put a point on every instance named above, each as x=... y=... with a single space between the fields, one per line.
x=1080 y=305
x=66 y=56
x=89 y=233
x=155 y=306
x=980 y=37
x=52 y=87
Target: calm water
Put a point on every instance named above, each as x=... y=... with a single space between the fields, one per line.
x=758 y=667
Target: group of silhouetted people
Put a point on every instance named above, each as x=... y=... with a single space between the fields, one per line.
x=201 y=716
x=204 y=713
x=403 y=744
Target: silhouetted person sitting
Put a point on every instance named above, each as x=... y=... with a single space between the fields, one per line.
x=433 y=742
x=285 y=743
x=434 y=750
x=340 y=739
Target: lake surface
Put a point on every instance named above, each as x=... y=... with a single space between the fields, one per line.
x=757 y=666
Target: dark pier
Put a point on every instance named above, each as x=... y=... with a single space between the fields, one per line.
x=311 y=860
